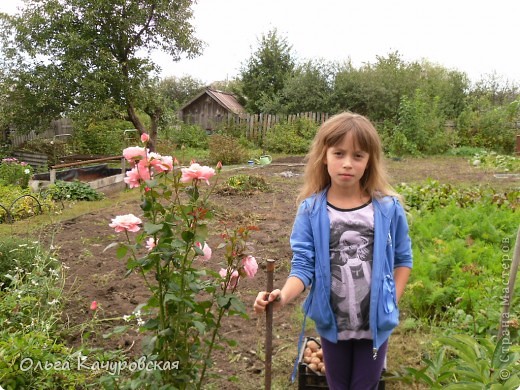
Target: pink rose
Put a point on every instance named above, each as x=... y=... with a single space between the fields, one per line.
x=151 y=243
x=127 y=222
x=219 y=166
x=133 y=179
x=137 y=174
x=93 y=305
x=196 y=172
x=134 y=152
x=233 y=281
x=145 y=138
x=161 y=163
x=206 y=250
x=250 y=266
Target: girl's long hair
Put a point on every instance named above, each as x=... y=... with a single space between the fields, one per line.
x=316 y=178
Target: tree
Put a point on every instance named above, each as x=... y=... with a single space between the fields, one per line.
x=81 y=57
x=179 y=91
x=309 y=89
x=265 y=74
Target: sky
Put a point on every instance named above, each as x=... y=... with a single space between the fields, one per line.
x=478 y=37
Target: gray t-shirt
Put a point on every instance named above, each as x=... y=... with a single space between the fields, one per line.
x=351 y=252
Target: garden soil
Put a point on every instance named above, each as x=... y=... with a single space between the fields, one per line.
x=94 y=273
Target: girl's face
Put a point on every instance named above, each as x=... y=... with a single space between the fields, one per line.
x=346 y=164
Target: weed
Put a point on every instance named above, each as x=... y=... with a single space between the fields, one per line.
x=244 y=184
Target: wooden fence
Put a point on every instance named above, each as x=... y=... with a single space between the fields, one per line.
x=257 y=125
x=58 y=128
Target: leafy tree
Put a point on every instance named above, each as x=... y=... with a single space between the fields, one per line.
x=80 y=57
x=494 y=89
x=375 y=90
x=309 y=89
x=265 y=74
x=449 y=86
x=178 y=91
x=173 y=93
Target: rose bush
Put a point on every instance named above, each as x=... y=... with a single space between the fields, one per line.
x=170 y=251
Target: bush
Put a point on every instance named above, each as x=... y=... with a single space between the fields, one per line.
x=30 y=313
x=226 y=149
x=464 y=151
x=54 y=149
x=5 y=150
x=73 y=190
x=420 y=127
x=291 y=138
x=106 y=138
x=14 y=172
x=190 y=136
x=16 y=254
x=488 y=127
x=21 y=203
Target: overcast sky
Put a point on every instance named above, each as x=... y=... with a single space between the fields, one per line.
x=478 y=37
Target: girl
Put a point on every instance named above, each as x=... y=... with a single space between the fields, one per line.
x=350 y=243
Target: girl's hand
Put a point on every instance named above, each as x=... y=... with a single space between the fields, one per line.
x=264 y=298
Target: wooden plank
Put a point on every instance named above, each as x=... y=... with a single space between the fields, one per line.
x=97 y=160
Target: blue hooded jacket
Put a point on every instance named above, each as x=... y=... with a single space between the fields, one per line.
x=310 y=239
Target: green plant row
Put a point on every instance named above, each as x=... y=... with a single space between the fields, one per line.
x=462 y=261
x=465 y=362
x=432 y=195
x=500 y=162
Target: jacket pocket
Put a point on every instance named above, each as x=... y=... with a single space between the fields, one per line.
x=387 y=311
x=318 y=312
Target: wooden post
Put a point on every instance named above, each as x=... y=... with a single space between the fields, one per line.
x=52 y=175
x=269 y=327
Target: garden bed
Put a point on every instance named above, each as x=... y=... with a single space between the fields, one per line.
x=99 y=177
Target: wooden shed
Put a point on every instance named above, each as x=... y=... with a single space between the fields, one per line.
x=209 y=108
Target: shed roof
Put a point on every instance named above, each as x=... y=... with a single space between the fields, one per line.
x=225 y=99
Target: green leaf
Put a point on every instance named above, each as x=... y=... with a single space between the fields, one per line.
x=513 y=382
x=187 y=236
x=151 y=228
x=171 y=297
x=464 y=346
x=200 y=326
x=151 y=324
x=146 y=205
x=121 y=251
x=237 y=305
x=465 y=386
x=148 y=344
x=166 y=332
x=117 y=330
x=224 y=301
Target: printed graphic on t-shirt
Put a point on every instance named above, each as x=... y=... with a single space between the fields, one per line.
x=351 y=251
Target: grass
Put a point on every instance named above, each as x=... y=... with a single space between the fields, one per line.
x=70 y=210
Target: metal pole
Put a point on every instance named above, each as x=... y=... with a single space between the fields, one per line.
x=269 y=326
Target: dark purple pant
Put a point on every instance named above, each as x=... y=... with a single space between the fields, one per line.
x=350 y=364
